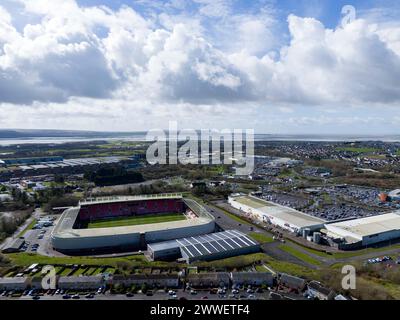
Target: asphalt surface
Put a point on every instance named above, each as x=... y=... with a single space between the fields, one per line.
x=159 y=295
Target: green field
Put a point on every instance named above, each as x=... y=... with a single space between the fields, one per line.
x=261 y=237
x=358 y=149
x=300 y=255
x=132 y=221
x=26 y=259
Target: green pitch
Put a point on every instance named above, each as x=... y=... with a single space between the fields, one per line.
x=137 y=220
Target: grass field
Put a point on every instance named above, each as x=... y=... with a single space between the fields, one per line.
x=26 y=259
x=260 y=237
x=132 y=221
x=350 y=254
x=358 y=149
x=300 y=255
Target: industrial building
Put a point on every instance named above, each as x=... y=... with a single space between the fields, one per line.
x=206 y=247
x=284 y=217
x=30 y=161
x=71 y=236
x=353 y=234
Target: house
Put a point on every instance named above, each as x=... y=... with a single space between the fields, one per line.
x=80 y=282
x=152 y=280
x=292 y=282
x=208 y=280
x=15 y=283
x=318 y=291
x=252 y=278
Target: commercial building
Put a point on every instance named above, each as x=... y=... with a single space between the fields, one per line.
x=70 y=234
x=353 y=234
x=269 y=212
x=206 y=247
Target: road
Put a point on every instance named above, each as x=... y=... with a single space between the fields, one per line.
x=159 y=295
x=35 y=215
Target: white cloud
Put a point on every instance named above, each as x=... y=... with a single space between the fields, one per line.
x=77 y=56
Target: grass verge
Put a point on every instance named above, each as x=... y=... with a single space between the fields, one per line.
x=260 y=237
x=300 y=255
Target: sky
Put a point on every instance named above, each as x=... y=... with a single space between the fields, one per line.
x=275 y=66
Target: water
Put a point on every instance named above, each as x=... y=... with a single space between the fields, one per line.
x=142 y=137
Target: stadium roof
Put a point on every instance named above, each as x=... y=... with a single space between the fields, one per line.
x=130 y=198
x=293 y=216
x=363 y=227
x=64 y=228
x=208 y=244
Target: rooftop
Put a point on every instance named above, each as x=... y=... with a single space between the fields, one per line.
x=9 y=280
x=207 y=244
x=91 y=201
x=295 y=217
x=359 y=228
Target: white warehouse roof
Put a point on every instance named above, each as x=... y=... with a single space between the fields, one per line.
x=364 y=227
x=274 y=210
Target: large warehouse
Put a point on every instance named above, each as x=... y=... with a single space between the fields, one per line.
x=206 y=247
x=284 y=217
x=126 y=223
x=353 y=234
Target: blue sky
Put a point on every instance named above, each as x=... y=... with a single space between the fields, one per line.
x=287 y=66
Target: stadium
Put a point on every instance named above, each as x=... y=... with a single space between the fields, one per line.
x=128 y=223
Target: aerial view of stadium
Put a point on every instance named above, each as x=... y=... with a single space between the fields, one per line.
x=123 y=223
x=224 y=153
